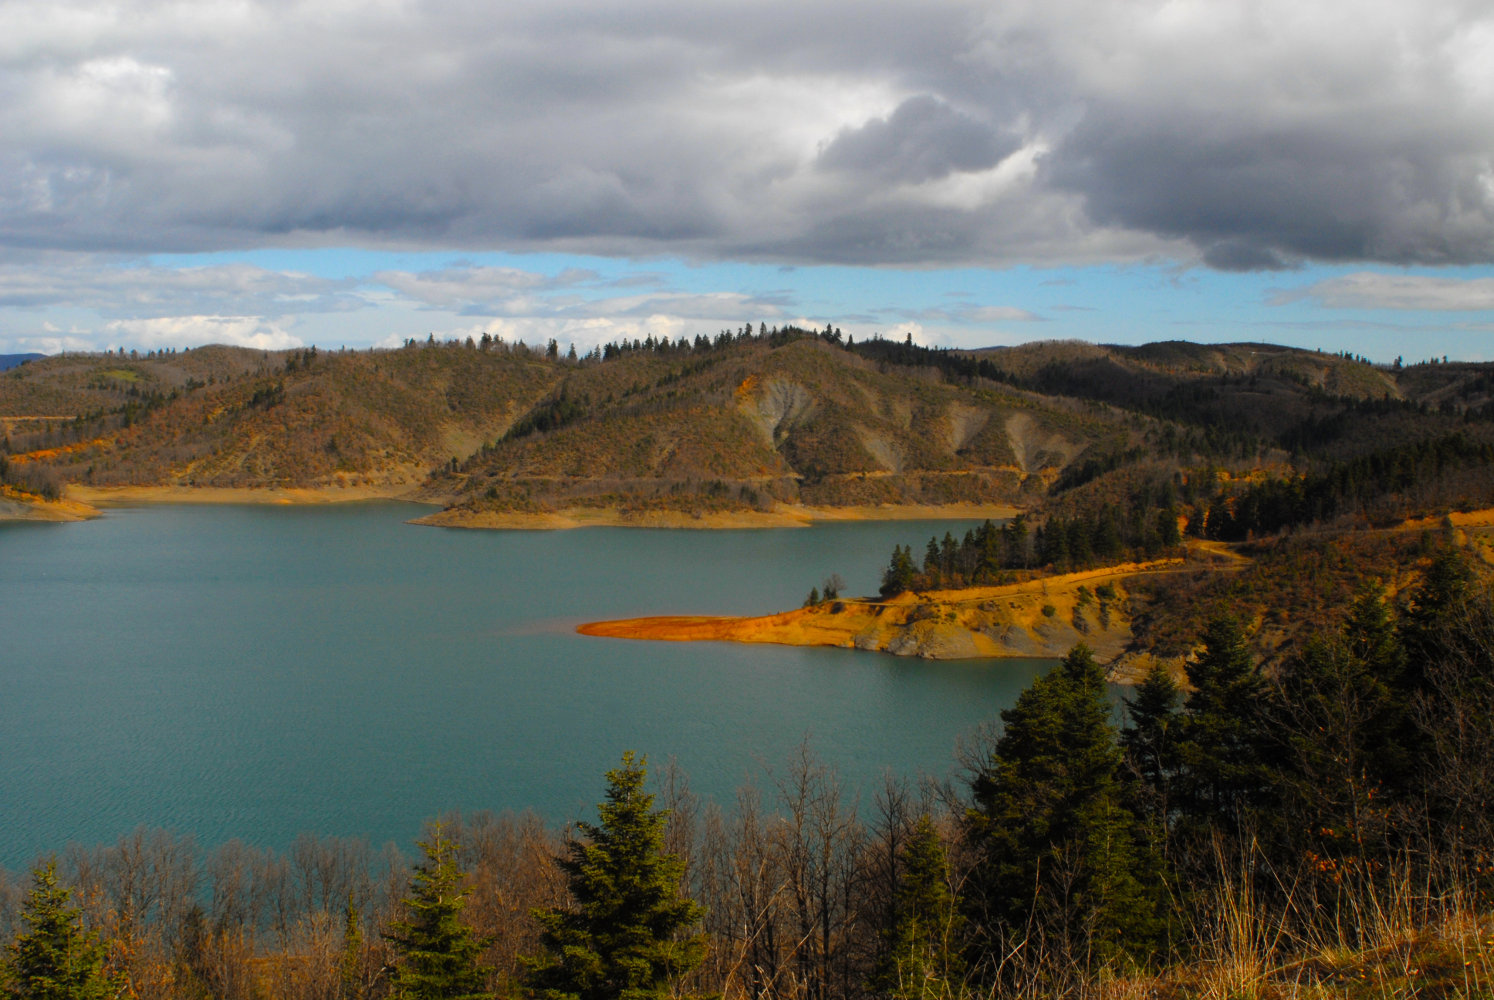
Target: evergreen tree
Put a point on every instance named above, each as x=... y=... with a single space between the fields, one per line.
x=949 y=552
x=1081 y=553
x=1429 y=622
x=54 y=958
x=922 y=959
x=1056 y=846
x=1371 y=635
x=438 y=953
x=1147 y=740
x=1167 y=528
x=628 y=933
x=1223 y=756
x=1016 y=545
x=1448 y=633
x=350 y=969
x=1337 y=719
x=1352 y=687
x=931 y=559
x=1054 y=544
x=898 y=577
x=1107 y=536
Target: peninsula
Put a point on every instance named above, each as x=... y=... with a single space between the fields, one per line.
x=1040 y=617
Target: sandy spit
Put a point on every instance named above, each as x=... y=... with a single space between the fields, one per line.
x=1032 y=618
x=24 y=507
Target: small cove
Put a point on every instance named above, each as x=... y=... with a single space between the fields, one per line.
x=256 y=672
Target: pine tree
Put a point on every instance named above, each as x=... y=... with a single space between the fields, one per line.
x=1429 y=622
x=1147 y=740
x=438 y=953
x=1167 y=528
x=931 y=558
x=628 y=933
x=1057 y=857
x=899 y=574
x=922 y=959
x=1337 y=720
x=1448 y=636
x=54 y=958
x=350 y=968
x=1223 y=754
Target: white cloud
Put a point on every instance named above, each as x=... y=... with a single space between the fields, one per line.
x=1375 y=290
x=914 y=330
x=191 y=331
x=80 y=341
x=999 y=314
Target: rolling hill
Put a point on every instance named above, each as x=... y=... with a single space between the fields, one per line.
x=9 y=361
x=742 y=423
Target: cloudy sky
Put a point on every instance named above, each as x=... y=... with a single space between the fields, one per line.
x=274 y=173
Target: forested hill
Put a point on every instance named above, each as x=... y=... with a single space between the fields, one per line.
x=748 y=419
x=797 y=419
x=1247 y=396
x=9 y=361
x=738 y=422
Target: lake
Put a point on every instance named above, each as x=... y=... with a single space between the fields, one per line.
x=260 y=671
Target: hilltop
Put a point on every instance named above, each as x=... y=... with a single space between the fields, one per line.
x=220 y=417
x=740 y=425
x=8 y=361
x=749 y=428
x=754 y=425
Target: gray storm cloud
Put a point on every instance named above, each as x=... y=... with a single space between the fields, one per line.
x=1247 y=135
x=921 y=140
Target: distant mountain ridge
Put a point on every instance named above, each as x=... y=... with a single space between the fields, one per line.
x=9 y=361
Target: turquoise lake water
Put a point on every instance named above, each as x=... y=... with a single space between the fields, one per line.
x=257 y=672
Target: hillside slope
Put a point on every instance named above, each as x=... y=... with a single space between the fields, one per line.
x=1248 y=396
x=754 y=424
x=226 y=417
x=745 y=423
x=8 y=361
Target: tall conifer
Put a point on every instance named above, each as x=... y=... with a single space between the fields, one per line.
x=1057 y=857
x=1223 y=750
x=1148 y=741
x=54 y=958
x=922 y=958
x=439 y=955
x=629 y=933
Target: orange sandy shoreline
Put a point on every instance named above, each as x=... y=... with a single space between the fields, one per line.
x=781 y=516
x=18 y=506
x=83 y=502
x=1020 y=619
x=975 y=622
x=106 y=495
